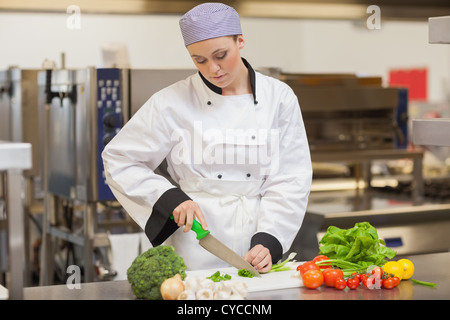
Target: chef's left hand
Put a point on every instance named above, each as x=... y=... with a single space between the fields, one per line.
x=259 y=256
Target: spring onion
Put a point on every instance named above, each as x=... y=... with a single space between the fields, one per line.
x=217 y=277
x=424 y=283
x=284 y=265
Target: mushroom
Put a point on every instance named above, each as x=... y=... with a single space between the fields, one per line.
x=207 y=284
x=186 y=295
x=240 y=288
x=191 y=283
x=222 y=295
x=205 y=294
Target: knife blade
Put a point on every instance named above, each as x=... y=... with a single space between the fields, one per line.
x=220 y=250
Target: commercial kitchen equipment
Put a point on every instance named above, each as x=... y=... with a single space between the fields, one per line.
x=19 y=115
x=410 y=227
x=14 y=159
x=5 y=110
x=84 y=109
x=349 y=112
x=20 y=123
x=356 y=121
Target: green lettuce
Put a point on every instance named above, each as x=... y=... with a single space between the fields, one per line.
x=359 y=245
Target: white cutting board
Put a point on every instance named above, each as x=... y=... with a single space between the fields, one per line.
x=267 y=281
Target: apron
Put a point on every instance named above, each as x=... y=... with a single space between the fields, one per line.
x=230 y=209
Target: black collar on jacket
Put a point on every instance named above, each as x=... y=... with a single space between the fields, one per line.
x=251 y=74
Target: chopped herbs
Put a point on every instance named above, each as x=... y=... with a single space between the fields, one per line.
x=217 y=277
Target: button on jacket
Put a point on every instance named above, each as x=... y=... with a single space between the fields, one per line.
x=244 y=159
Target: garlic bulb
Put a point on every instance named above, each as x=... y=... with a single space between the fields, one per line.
x=172 y=287
x=205 y=294
x=186 y=295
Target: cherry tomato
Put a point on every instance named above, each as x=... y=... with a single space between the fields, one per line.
x=396 y=280
x=319 y=258
x=377 y=271
x=388 y=283
x=309 y=265
x=353 y=283
x=340 y=284
x=356 y=275
x=330 y=275
x=367 y=280
x=312 y=279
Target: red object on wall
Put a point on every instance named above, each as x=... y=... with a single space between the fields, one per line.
x=413 y=79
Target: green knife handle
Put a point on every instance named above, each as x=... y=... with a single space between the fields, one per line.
x=197 y=228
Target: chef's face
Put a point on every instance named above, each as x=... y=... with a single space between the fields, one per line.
x=218 y=59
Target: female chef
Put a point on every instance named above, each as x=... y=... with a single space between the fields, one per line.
x=234 y=142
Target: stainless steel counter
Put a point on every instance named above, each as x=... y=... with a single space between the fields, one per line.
x=430 y=267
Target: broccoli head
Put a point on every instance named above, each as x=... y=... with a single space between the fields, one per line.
x=151 y=268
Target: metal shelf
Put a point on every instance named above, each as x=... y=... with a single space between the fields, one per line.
x=432 y=132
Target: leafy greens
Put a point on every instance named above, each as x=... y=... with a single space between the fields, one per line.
x=359 y=245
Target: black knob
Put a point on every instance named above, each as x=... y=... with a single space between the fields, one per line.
x=110 y=120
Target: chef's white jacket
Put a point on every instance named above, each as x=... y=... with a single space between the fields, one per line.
x=244 y=159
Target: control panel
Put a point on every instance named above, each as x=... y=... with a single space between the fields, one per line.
x=110 y=120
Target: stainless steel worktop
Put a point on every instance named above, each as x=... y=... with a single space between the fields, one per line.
x=429 y=267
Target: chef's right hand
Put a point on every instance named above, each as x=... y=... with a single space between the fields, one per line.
x=186 y=212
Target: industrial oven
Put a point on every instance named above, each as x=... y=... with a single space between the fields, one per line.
x=347 y=112
x=83 y=110
x=87 y=107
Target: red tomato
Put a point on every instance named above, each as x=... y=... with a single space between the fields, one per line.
x=312 y=279
x=388 y=283
x=396 y=280
x=377 y=271
x=353 y=283
x=367 y=280
x=321 y=257
x=356 y=275
x=340 y=284
x=309 y=265
x=330 y=275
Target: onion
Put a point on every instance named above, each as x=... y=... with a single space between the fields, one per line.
x=172 y=287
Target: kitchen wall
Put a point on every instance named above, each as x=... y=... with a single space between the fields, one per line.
x=154 y=41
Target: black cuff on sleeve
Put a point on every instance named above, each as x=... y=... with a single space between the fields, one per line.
x=159 y=226
x=270 y=242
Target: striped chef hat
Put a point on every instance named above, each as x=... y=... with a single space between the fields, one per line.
x=209 y=20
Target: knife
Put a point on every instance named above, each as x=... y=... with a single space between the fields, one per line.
x=217 y=248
